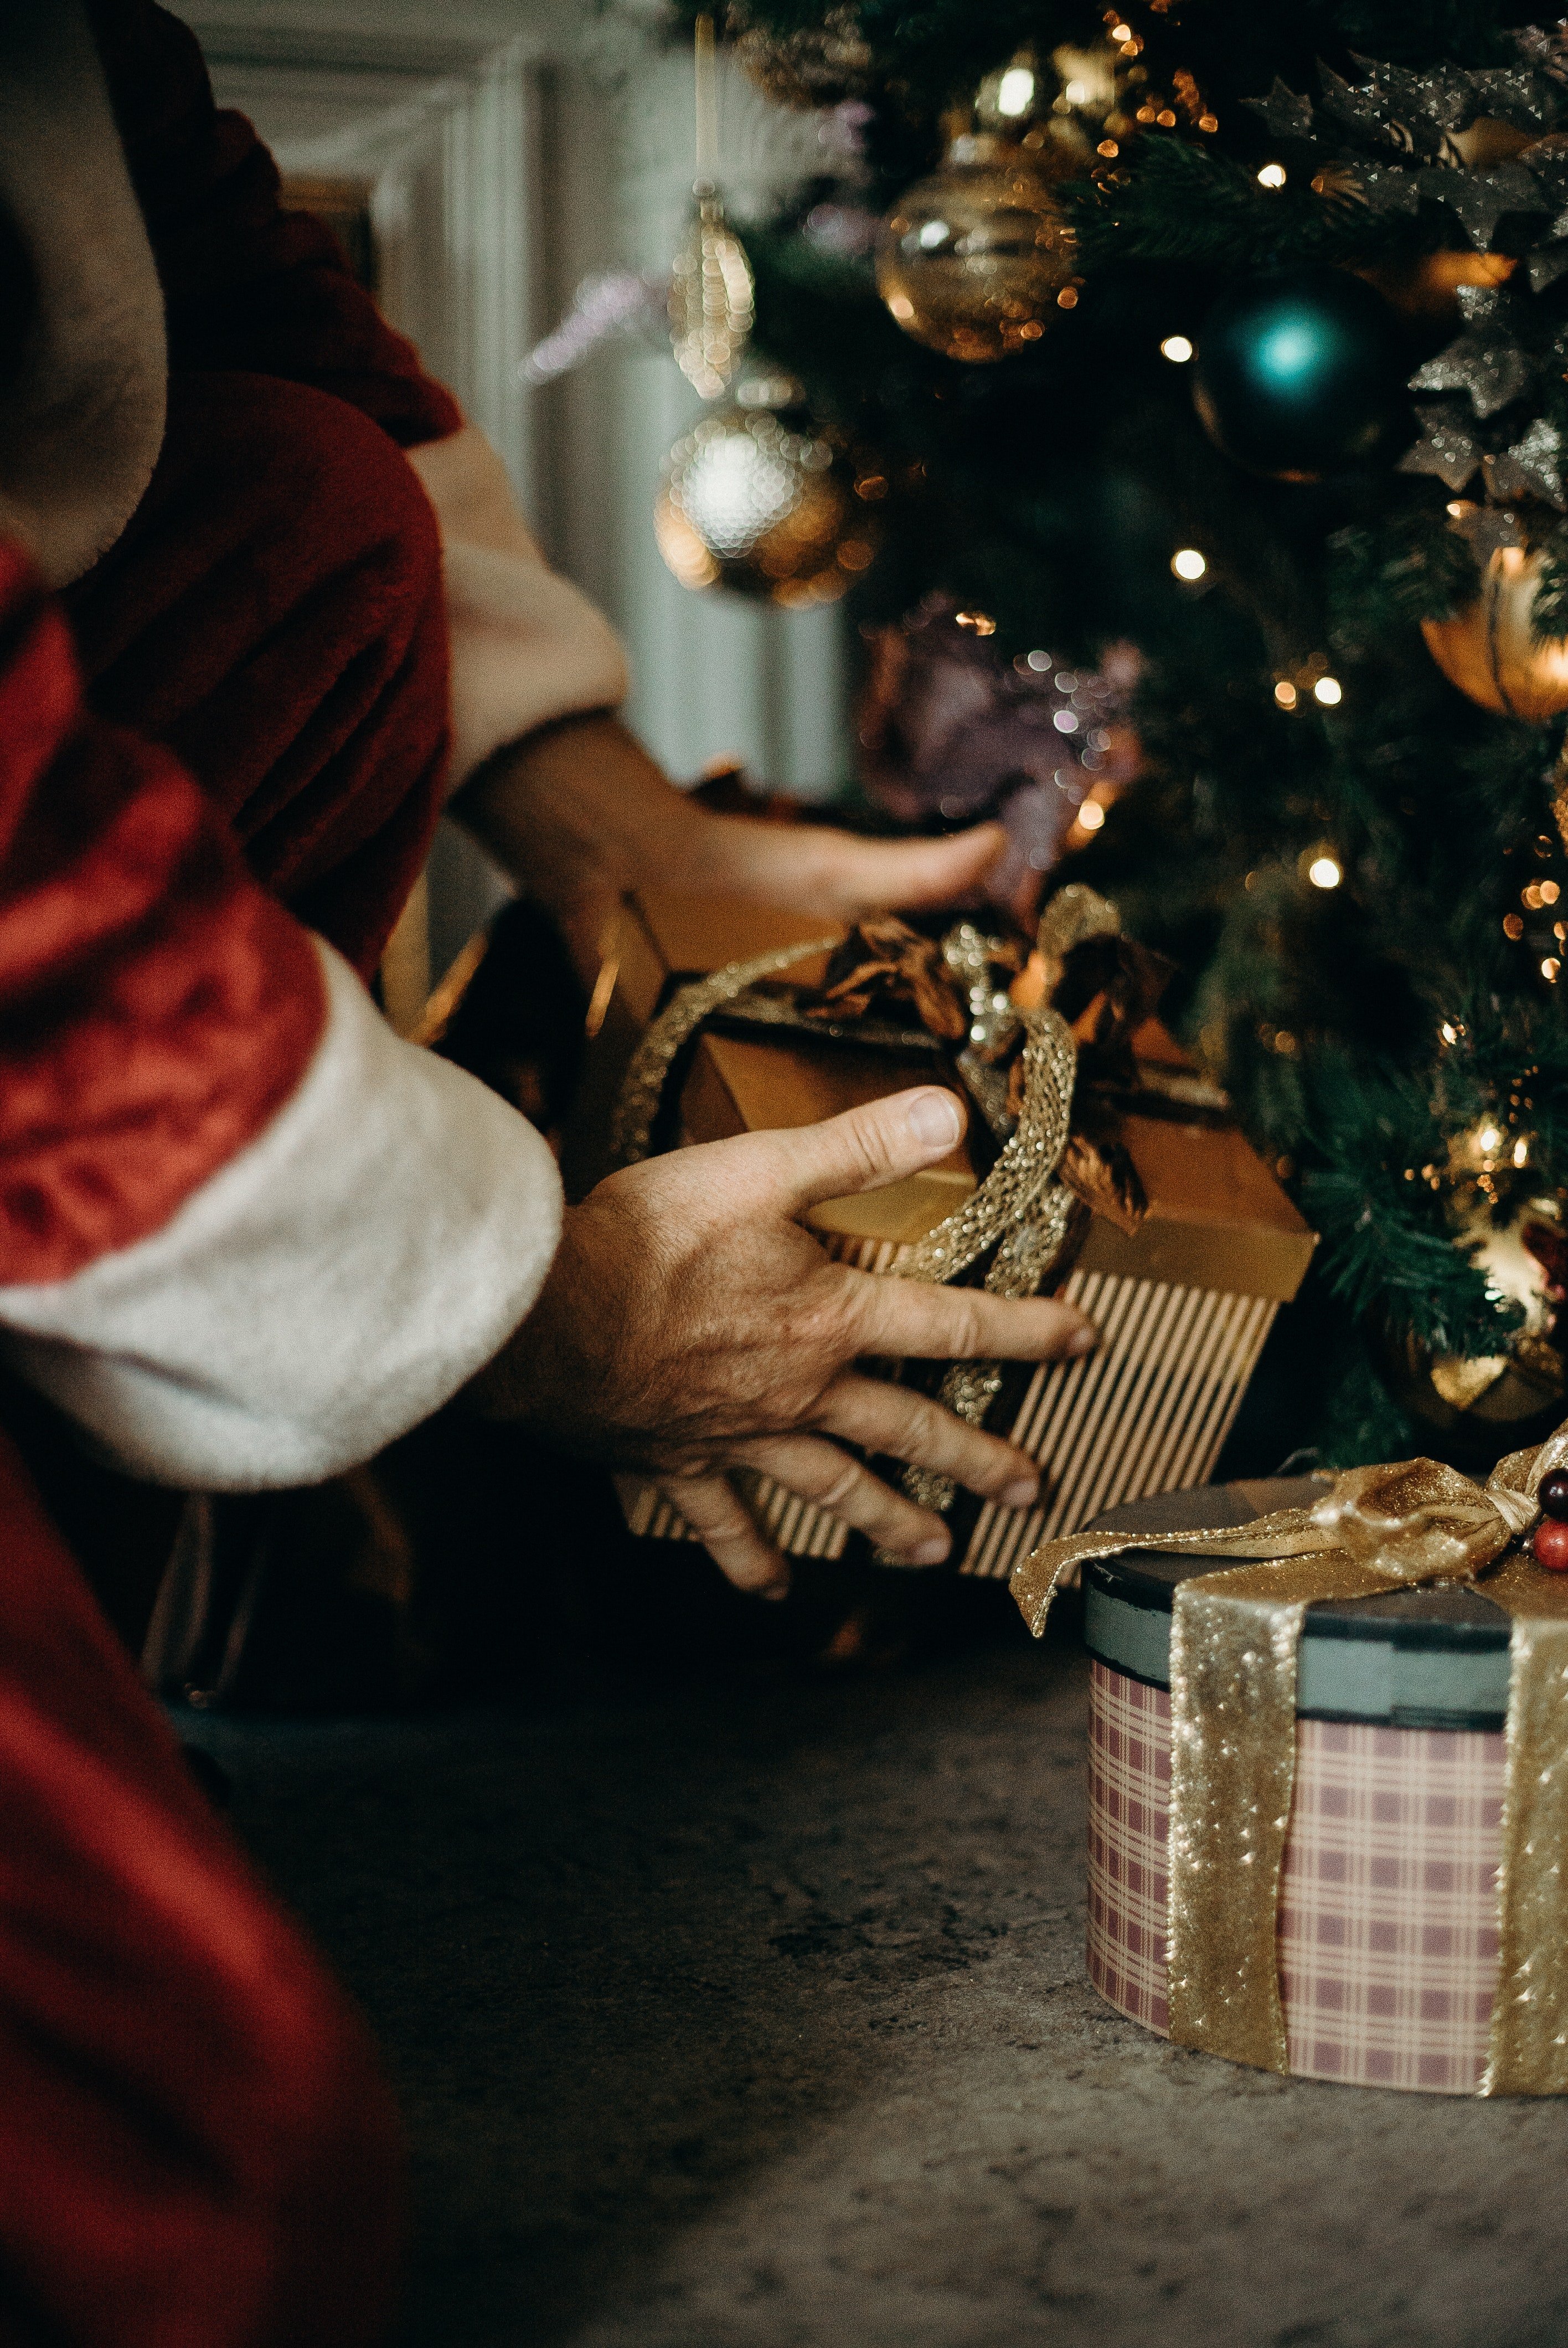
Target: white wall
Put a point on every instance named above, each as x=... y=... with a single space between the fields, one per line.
x=513 y=150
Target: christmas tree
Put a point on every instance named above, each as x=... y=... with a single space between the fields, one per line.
x=1239 y=337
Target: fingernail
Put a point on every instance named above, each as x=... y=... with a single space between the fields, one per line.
x=930 y=1553
x=934 y=1119
x=775 y=1592
x=1021 y=1493
x=1084 y=1341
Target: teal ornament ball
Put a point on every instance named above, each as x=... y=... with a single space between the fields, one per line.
x=1300 y=375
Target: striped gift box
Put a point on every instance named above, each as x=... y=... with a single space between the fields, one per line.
x=1388 y=1913
x=1148 y=1413
x=1185 y=1303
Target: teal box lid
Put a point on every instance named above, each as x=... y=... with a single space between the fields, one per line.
x=1407 y=1659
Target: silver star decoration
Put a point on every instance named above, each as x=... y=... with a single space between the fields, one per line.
x=1483 y=198
x=1531 y=467
x=1516 y=94
x=1485 y=361
x=1445 y=448
x=1444 y=98
x=1547 y=51
x=1546 y=160
x=1364 y=109
x=1485 y=529
x=1287 y=116
x=1411 y=111
x=1546 y=265
x=1388 y=189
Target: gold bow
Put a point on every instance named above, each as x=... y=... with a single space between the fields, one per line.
x=1235 y=1638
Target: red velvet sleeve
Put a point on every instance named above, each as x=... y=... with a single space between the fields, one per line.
x=250 y=287
x=156 y=1006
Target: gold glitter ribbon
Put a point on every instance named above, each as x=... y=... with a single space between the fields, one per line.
x=1021 y=1208
x=1234 y=1638
x=648 y=1072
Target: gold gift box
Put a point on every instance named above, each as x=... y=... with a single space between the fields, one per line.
x=1184 y=1303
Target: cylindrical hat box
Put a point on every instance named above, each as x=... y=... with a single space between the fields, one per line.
x=1387 y=1910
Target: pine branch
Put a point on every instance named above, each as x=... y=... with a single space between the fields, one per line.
x=1182 y=202
x=1386 y=580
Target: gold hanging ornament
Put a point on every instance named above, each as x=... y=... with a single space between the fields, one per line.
x=711 y=299
x=712 y=291
x=1517 y=1236
x=749 y=504
x=1490 y=650
x=977 y=259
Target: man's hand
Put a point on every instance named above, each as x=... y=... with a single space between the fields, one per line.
x=578 y=814
x=575 y=810
x=691 y=1325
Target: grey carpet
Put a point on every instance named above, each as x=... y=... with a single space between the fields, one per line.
x=754 y=2016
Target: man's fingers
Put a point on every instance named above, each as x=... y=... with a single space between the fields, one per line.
x=864 y=875
x=907 y=1425
x=863 y=1149
x=819 y=1471
x=716 y=1516
x=834 y=873
x=913 y=1317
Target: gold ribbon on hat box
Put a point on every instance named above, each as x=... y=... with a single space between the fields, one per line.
x=1334 y=1879
x=1100 y=1164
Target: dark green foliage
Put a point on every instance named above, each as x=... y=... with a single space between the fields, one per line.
x=931 y=54
x=1194 y=204
x=1411 y=568
x=1051 y=490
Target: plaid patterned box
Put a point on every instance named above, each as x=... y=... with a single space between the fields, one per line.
x=1388 y=1930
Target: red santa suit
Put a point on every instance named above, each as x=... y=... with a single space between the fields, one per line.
x=246 y=1236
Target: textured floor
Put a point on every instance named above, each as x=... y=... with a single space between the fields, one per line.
x=755 y=2017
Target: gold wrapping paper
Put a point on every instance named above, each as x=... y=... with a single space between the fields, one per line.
x=643 y=1087
x=1234 y=1638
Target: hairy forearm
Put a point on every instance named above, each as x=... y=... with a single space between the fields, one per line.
x=581 y=796
x=578 y=813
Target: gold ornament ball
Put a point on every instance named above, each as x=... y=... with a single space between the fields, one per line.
x=775 y=514
x=1489 y=649
x=977 y=261
x=1480 y=1407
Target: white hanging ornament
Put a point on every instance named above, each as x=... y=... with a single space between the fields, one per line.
x=749 y=504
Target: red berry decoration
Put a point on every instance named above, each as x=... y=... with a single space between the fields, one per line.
x=1553 y=1493
x=1550 y=1544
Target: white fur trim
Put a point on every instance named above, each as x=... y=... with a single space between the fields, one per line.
x=527 y=648
x=324 y=1291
